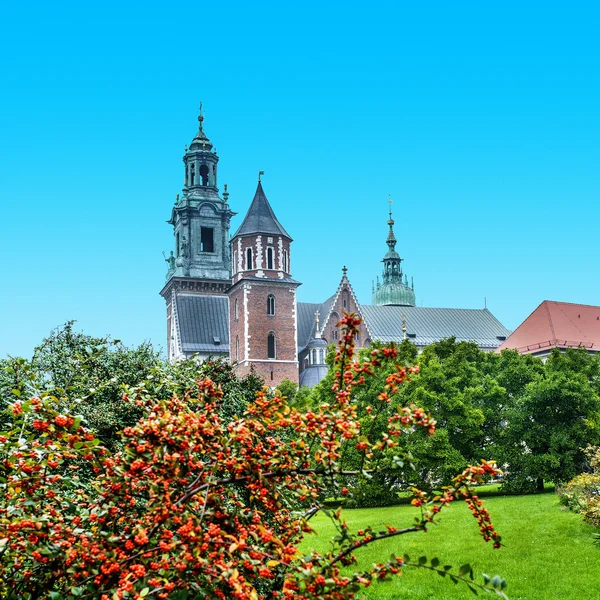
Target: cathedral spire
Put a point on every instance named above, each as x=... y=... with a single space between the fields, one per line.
x=394 y=290
x=391 y=238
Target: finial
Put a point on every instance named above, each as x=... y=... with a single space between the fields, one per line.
x=259 y=174
x=200 y=116
x=186 y=149
x=317 y=322
x=404 y=326
x=390 y=220
x=344 y=270
x=225 y=193
x=177 y=198
x=412 y=283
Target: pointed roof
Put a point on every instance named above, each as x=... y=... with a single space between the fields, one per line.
x=557 y=325
x=260 y=218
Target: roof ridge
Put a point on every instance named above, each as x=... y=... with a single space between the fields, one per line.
x=545 y=303
x=585 y=337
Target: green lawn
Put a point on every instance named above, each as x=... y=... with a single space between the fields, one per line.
x=548 y=553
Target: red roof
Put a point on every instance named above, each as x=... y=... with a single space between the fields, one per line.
x=557 y=325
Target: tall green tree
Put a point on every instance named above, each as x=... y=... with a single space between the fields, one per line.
x=547 y=429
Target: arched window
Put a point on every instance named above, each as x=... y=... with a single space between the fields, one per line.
x=269 y=258
x=237 y=347
x=271 y=349
x=321 y=357
x=237 y=310
x=204 y=174
x=177 y=244
x=270 y=305
x=234 y=262
x=286 y=266
x=192 y=174
x=248 y=259
x=314 y=356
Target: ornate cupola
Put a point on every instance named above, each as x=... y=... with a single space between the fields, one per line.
x=201 y=218
x=393 y=290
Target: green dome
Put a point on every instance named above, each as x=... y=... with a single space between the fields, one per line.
x=393 y=293
x=394 y=289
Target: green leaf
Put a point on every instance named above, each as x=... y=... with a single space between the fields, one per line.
x=144 y=592
x=486 y=578
x=435 y=562
x=422 y=560
x=496 y=581
x=17 y=393
x=465 y=570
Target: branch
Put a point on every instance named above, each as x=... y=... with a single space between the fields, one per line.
x=370 y=540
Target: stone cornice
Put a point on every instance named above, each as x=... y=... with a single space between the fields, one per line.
x=217 y=287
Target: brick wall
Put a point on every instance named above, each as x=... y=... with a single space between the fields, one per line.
x=260 y=245
x=253 y=326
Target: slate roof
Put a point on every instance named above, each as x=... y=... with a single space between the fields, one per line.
x=260 y=217
x=306 y=320
x=312 y=375
x=557 y=325
x=427 y=325
x=202 y=321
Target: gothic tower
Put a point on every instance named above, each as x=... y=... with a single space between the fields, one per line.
x=200 y=266
x=262 y=299
x=393 y=290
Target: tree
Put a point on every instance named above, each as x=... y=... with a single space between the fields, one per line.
x=548 y=428
x=86 y=374
x=196 y=504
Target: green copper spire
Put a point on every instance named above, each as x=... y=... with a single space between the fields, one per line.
x=394 y=289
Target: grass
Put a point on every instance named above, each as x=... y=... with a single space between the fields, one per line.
x=548 y=553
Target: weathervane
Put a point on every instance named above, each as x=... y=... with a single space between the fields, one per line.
x=259 y=174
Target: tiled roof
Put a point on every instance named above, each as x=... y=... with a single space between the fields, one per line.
x=557 y=325
x=306 y=320
x=203 y=323
x=260 y=217
x=428 y=325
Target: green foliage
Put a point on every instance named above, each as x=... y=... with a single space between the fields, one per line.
x=547 y=427
x=203 y=501
x=582 y=493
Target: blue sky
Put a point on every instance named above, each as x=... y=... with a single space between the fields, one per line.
x=481 y=120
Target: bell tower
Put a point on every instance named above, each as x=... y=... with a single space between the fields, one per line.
x=200 y=218
x=199 y=267
x=262 y=300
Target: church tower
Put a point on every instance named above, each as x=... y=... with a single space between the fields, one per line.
x=262 y=300
x=393 y=290
x=199 y=268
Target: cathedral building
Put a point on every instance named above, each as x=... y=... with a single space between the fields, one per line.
x=235 y=297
